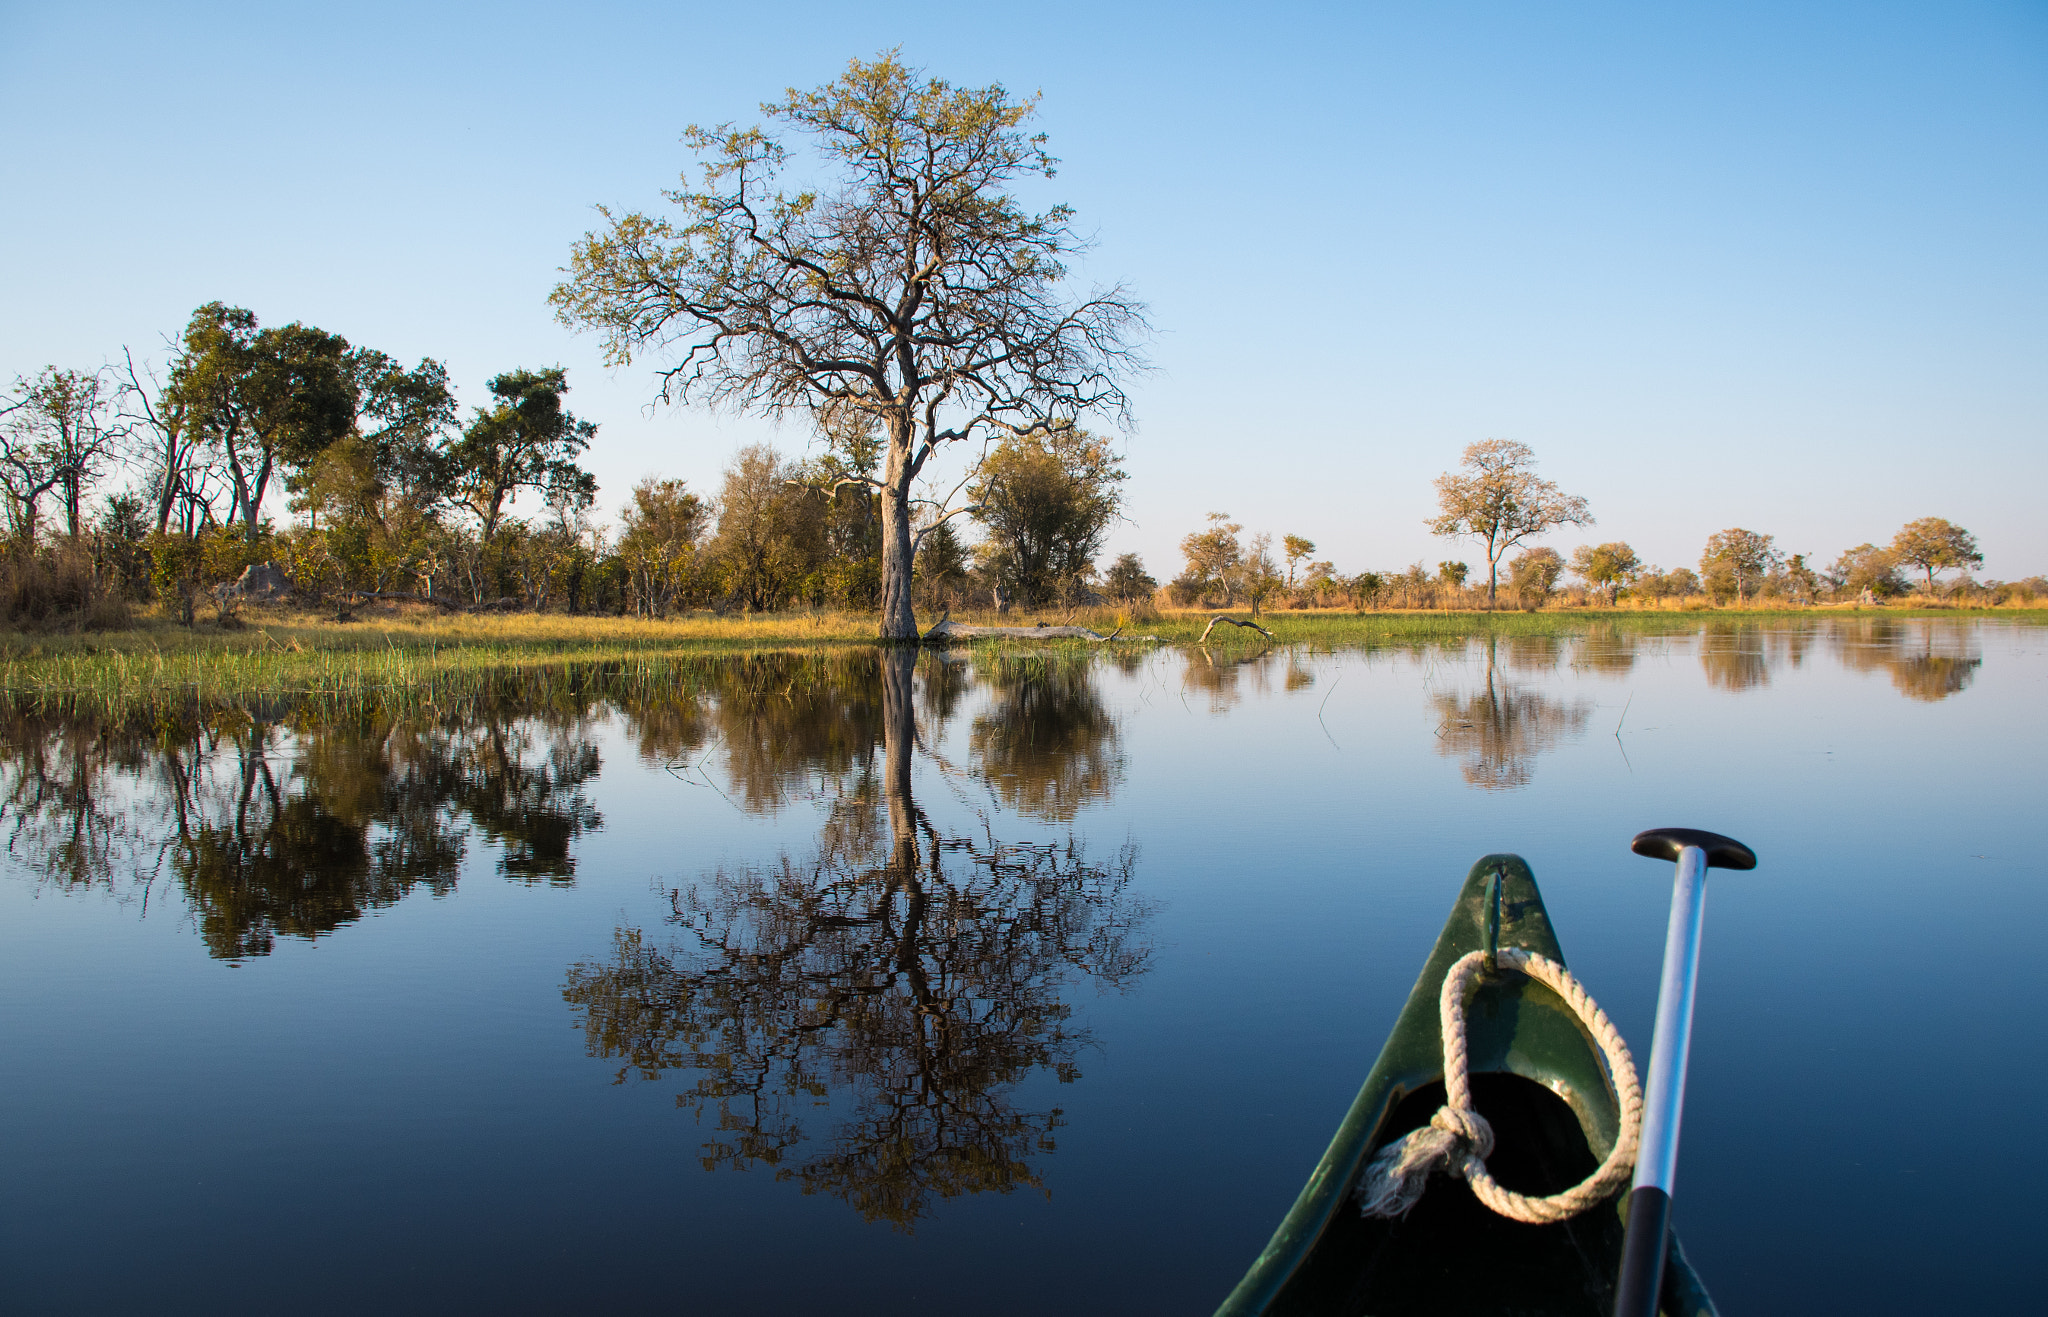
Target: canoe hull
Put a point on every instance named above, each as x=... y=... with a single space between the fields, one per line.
x=1539 y=1079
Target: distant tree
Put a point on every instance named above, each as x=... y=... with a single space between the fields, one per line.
x=1214 y=557
x=1365 y=590
x=169 y=445
x=1534 y=575
x=911 y=286
x=1048 y=499
x=1933 y=545
x=1606 y=567
x=770 y=529
x=1259 y=575
x=1296 y=549
x=851 y=576
x=1319 y=580
x=1126 y=580
x=1187 y=589
x=941 y=565
x=528 y=441
x=1452 y=574
x=1736 y=561
x=58 y=434
x=1413 y=584
x=405 y=417
x=263 y=399
x=380 y=487
x=1867 y=567
x=1501 y=502
x=1801 y=581
x=1678 y=583
x=658 y=534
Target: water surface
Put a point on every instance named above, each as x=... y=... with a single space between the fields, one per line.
x=990 y=982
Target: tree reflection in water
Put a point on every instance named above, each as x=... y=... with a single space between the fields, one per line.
x=1219 y=677
x=909 y=976
x=1501 y=729
x=1924 y=663
x=1046 y=744
x=281 y=825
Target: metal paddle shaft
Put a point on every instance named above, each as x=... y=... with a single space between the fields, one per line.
x=1649 y=1208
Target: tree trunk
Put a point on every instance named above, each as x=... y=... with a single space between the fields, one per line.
x=899 y=617
x=255 y=508
x=899 y=734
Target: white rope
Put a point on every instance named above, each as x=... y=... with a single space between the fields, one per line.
x=1458 y=1139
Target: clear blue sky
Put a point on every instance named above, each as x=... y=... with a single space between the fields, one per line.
x=1781 y=266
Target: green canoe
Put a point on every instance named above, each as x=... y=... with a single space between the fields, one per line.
x=1538 y=1078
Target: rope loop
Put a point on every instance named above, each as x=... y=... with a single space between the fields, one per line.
x=1458 y=1140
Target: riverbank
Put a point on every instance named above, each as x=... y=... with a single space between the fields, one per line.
x=267 y=652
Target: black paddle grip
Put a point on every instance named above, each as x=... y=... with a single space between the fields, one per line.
x=1722 y=852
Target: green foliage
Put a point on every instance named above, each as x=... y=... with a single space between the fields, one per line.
x=941 y=565
x=1607 y=567
x=57 y=435
x=1127 y=582
x=1259 y=576
x=1534 y=574
x=261 y=399
x=1736 y=561
x=1047 y=500
x=1452 y=574
x=1501 y=502
x=1296 y=548
x=1867 y=569
x=529 y=441
x=1215 y=562
x=1801 y=582
x=942 y=320
x=1678 y=583
x=771 y=543
x=1935 y=545
x=659 y=531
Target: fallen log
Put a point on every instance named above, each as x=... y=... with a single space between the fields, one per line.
x=945 y=631
x=451 y=605
x=1234 y=622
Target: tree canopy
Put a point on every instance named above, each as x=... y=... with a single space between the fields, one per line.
x=528 y=441
x=1607 y=566
x=1500 y=502
x=908 y=285
x=1934 y=544
x=1048 y=499
x=1736 y=561
x=262 y=398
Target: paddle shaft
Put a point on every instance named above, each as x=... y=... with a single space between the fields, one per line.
x=1649 y=1213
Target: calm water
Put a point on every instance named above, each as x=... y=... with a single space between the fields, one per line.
x=855 y=985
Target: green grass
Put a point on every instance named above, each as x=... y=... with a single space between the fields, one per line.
x=419 y=656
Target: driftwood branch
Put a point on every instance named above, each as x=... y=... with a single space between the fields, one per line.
x=1234 y=622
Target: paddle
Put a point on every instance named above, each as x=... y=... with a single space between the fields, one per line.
x=1649 y=1207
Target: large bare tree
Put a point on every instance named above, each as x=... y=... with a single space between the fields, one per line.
x=911 y=286
x=1501 y=501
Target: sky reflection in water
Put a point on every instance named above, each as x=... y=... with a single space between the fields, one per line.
x=1048 y=968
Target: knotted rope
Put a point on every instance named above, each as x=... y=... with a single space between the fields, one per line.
x=1458 y=1139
